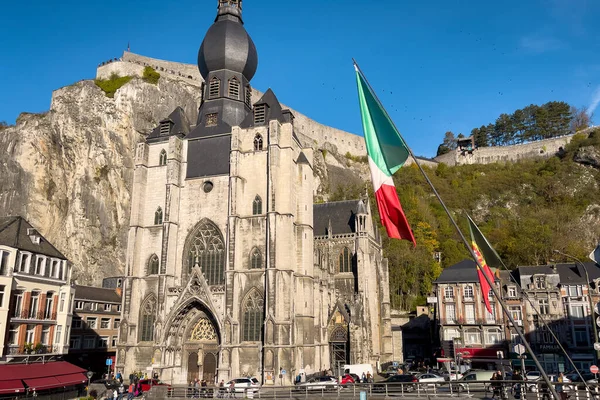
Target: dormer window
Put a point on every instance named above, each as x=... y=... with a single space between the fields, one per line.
x=234 y=89
x=260 y=113
x=248 y=96
x=214 y=88
x=258 y=143
x=163 y=157
x=211 y=119
x=33 y=235
x=539 y=282
x=165 y=128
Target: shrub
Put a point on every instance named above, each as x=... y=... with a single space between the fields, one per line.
x=150 y=75
x=112 y=84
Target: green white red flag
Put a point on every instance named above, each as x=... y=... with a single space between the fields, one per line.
x=387 y=153
x=486 y=255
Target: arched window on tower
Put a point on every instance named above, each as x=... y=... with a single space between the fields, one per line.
x=258 y=142
x=214 y=88
x=147 y=318
x=345 y=264
x=163 y=157
x=255 y=259
x=252 y=318
x=257 y=206
x=153 y=265
x=207 y=251
x=158 y=216
x=234 y=88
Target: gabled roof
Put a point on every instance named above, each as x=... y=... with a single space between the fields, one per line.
x=341 y=215
x=571 y=274
x=462 y=272
x=302 y=159
x=274 y=110
x=181 y=126
x=14 y=233
x=96 y=294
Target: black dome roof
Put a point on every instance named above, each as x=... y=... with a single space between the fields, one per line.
x=227 y=45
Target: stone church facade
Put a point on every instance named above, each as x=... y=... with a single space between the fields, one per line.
x=231 y=269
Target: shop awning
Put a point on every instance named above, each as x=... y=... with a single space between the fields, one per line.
x=72 y=379
x=11 y=386
x=42 y=383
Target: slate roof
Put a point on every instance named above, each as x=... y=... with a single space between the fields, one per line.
x=574 y=274
x=208 y=157
x=463 y=271
x=13 y=233
x=340 y=213
x=181 y=126
x=535 y=270
x=96 y=294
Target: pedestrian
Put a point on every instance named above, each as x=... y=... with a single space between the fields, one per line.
x=560 y=388
x=221 y=393
x=121 y=390
x=363 y=378
x=203 y=386
x=131 y=391
x=232 y=388
x=495 y=385
x=196 y=388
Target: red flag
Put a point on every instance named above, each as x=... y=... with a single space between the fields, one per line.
x=481 y=246
x=485 y=287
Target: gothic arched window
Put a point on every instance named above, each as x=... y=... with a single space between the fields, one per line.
x=207 y=251
x=163 y=157
x=214 y=88
x=234 y=88
x=252 y=318
x=258 y=142
x=257 y=206
x=147 y=318
x=255 y=259
x=158 y=216
x=153 y=265
x=345 y=264
x=339 y=335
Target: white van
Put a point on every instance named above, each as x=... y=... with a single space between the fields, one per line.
x=358 y=369
x=475 y=376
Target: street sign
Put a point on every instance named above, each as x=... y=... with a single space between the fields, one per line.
x=90 y=374
x=519 y=349
x=283 y=372
x=597 y=346
x=594 y=369
x=109 y=361
x=433 y=300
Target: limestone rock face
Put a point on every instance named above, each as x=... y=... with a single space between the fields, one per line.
x=588 y=155
x=68 y=171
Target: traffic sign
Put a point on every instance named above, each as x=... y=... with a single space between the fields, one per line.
x=597 y=346
x=594 y=369
x=519 y=349
x=283 y=372
x=109 y=361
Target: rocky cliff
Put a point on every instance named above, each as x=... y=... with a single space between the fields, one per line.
x=68 y=171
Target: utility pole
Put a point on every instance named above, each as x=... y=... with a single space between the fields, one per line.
x=591 y=303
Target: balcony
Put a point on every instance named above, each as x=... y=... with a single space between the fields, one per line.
x=39 y=316
x=15 y=350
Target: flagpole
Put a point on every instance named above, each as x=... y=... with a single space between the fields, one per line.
x=466 y=243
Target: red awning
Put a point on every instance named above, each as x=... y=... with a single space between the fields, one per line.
x=42 y=383
x=41 y=370
x=478 y=352
x=12 y=386
x=73 y=379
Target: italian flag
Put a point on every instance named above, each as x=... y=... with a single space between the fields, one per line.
x=387 y=154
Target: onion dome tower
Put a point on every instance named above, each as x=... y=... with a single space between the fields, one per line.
x=227 y=61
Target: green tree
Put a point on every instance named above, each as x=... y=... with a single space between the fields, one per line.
x=150 y=75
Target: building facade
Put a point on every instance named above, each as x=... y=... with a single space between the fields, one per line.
x=36 y=298
x=231 y=268
x=95 y=328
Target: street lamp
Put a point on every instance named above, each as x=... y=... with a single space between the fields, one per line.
x=587 y=279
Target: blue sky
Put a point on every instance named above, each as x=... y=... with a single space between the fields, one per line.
x=437 y=65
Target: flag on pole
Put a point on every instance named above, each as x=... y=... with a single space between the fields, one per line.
x=387 y=153
x=486 y=255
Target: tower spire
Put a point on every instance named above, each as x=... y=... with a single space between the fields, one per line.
x=229 y=7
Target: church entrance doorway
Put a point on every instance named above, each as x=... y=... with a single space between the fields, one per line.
x=192 y=367
x=209 y=369
x=338 y=350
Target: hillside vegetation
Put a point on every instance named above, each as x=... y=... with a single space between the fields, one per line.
x=525 y=209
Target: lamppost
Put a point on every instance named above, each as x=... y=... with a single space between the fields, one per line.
x=587 y=279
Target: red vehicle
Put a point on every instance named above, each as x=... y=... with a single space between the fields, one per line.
x=148 y=383
x=347 y=379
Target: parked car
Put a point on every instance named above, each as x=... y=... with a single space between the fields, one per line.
x=318 y=383
x=397 y=384
x=429 y=379
x=347 y=379
x=452 y=375
x=148 y=383
x=244 y=385
x=472 y=380
x=389 y=372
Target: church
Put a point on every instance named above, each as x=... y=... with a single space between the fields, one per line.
x=231 y=268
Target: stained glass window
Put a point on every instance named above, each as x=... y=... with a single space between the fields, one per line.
x=207 y=251
x=255 y=259
x=339 y=335
x=252 y=317
x=148 y=316
x=257 y=206
x=153 y=265
x=345 y=260
x=203 y=331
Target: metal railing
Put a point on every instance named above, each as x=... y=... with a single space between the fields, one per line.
x=14 y=350
x=29 y=314
x=501 y=390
